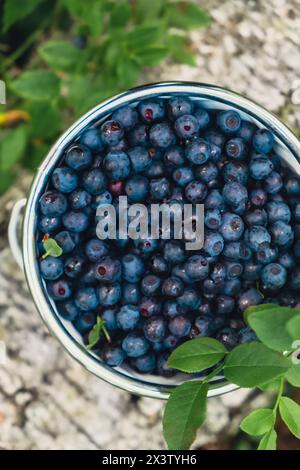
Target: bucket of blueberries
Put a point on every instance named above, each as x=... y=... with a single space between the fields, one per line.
x=120 y=306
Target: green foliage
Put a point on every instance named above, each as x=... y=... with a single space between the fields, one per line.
x=73 y=54
x=51 y=248
x=96 y=332
x=266 y=364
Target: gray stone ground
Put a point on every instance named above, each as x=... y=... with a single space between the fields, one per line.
x=47 y=401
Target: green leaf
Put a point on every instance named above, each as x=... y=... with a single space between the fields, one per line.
x=293 y=375
x=36 y=85
x=95 y=333
x=185 y=411
x=187 y=15
x=51 y=248
x=197 y=355
x=60 y=55
x=268 y=441
x=293 y=326
x=151 y=56
x=141 y=37
x=12 y=148
x=271 y=385
x=290 y=413
x=252 y=364
x=91 y=14
x=6 y=180
x=275 y=337
x=120 y=14
x=180 y=50
x=44 y=120
x=16 y=10
x=256 y=308
x=258 y=422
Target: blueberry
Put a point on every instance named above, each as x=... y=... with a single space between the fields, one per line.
x=140 y=158
x=172 y=308
x=79 y=199
x=133 y=267
x=146 y=246
x=260 y=167
x=296 y=249
x=64 y=179
x=229 y=337
x=294 y=279
x=49 y=224
x=197 y=267
x=186 y=126
x=66 y=241
x=234 y=269
x=282 y=233
x=150 y=284
x=215 y=137
x=135 y=345
x=180 y=326
x=95 y=249
x=152 y=110
x=273 y=183
x=172 y=287
x=155 y=169
x=116 y=165
x=258 y=197
x=210 y=288
x=139 y=135
x=137 y=188
x=273 y=276
x=68 y=310
x=75 y=221
x=85 y=322
x=174 y=157
x=113 y=356
x=127 y=116
x=182 y=176
x=150 y=306
x=198 y=151
x=213 y=243
x=229 y=121
x=287 y=260
x=94 y=181
x=234 y=193
x=224 y=305
x=202 y=117
x=51 y=268
x=207 y=172
x=214 y=200
x=86 y=299
x=154 y=329
x=246 y=131
x=109 y=294
x=189 y=299
x=108 y=269
x=235 y=148
x=144 y=364
x=263 y=141
x=60 y=289
x=109 y=315
x=232 y=227
x=248 y=298
x=74 y=265
x=231 y=287
x=78 y=157
x=215 y=153
x=218 y=273
x=111 y=132
x=292 y=186
x=128 y=317
x=170 y=342
x=235 y=171
x=258 y=236
x=158 y=264
x=256 y=217
x=279 y=211
x=159 y=188
x=162 y=135
x=296 y=213
x=173 y=252
x=237 y=251
x=179 y=271
x=91 y=138
x=195 y=191
x=246 y=335
x=213 y=219
x=203 y=326
x=179 y=106
x=53 y=204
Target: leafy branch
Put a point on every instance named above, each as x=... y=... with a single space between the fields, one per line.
x=268 y=363
x=96 y=332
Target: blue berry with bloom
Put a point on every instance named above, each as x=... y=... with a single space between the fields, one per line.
x=229 y=121
x=140 y=158
x=111 y=132
x=53 y=204
x=137 y=188
x=79 y=157
x=186 y=126
x=128 y=317
x=151 y=110
x=162 y=135
x=198 y=151
x=235 y=148
x=179 y=106
x=263 y=141
x=135 y=345
x=127 y=116
x=64 y=179
x=91 y=139
x=51 y=268
x=117 y=165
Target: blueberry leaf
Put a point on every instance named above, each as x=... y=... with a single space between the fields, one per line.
x=258 y=422
x=197 y=355
x=36 y=85
x=252 y=364
x=256 y=308
x=59 y=54
x=290 y=413
x=12 y=147
x=270 y=385
x=95 y=333
x=268 y=442
x=293 y=326
x=293 y=375
x=277 y=337
x=51 y=248
x=16 y=11
x=184 y=413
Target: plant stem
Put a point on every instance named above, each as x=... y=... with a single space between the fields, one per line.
x=279 y=395
x=214 y=373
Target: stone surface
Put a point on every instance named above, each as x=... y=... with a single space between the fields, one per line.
x=47 y=401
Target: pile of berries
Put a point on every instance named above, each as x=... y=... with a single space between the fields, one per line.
x=153 y=294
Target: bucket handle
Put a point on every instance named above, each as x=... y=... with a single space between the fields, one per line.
x=13 y=232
